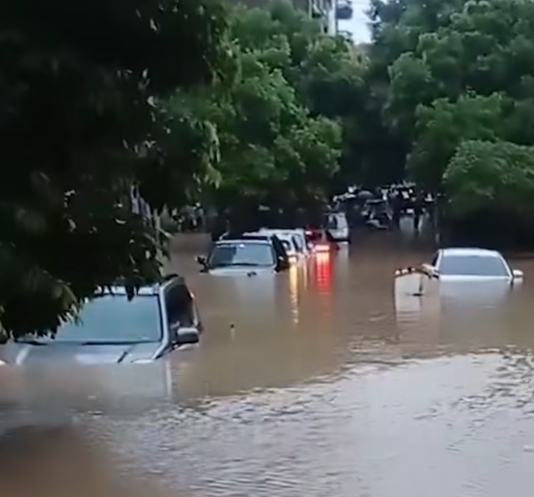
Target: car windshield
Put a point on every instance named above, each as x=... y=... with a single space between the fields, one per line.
x=113 y=319
x=472 y=265
x=241 y=254
x=297 y=240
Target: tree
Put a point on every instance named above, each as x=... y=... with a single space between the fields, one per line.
x=440 y=55
x=80 y=125
x=443 y=125
x=482 y=175
x=276 y=148
x=456 y=85
x=329 y=74
x=490 y=191
x=453 y=71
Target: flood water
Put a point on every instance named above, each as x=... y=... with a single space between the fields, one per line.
x=324 y=382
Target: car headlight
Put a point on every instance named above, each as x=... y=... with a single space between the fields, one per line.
x=3 y=363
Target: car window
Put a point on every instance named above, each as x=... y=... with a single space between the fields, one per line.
x=297 y=242
x=472 y=265
x=301 y=238
x=278 y=246
x=114 y=318
x=241 y=253
x=179 y=306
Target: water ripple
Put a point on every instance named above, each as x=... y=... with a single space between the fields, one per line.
x=367 y=433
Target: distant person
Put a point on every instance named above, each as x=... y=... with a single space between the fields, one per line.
x=418 y=211
x=397 y=204
x=431 y=210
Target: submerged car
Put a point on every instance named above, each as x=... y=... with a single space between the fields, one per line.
x=293 y=240
x=472 y=264
x=337 y=226
x=113 y=329
x=247 y=254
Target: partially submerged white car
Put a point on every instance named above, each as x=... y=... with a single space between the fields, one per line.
x=458 y=278
x=472 y=264
x=294 y=240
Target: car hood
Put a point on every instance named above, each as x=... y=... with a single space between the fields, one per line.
x=30 y=354
x=241 y=271
x=457 y=278
x=467 y=292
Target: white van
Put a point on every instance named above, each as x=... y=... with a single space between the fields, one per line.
x=337 y=226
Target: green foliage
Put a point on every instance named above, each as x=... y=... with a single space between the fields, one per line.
x=80 y=125
x=454 y=82
x=443 y=125
x=277 y=116
x=179 y=100
x=484 y=174
x=185 y=100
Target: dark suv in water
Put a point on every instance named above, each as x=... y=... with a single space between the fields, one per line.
x=245 y=254
x=115 y=329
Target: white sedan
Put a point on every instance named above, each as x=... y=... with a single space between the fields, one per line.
x=472 y=264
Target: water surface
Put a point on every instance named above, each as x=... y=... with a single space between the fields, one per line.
x=324 y=381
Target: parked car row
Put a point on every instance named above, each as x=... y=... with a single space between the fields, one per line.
x=115 y=329
x=265 y=250
x=164 y=317
x=160 y=318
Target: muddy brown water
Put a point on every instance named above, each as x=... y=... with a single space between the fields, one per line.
x=324 y=382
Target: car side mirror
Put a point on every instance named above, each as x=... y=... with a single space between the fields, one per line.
x=430 y=269
x=183 y=335
x=517 y=274
x=173 y=332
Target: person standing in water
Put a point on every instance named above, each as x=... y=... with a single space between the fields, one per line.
x=417 y=211
x=397 y=203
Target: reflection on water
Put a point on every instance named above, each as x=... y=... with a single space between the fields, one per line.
x=294 y=292
x=335 y=405
x=333 y=379
x=58 y=460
